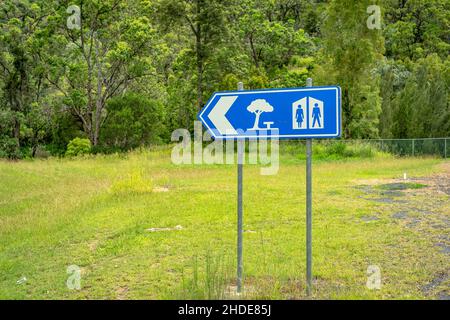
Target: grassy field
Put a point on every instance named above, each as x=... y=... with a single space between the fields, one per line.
x=95 y=213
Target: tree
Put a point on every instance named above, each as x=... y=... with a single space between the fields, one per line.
x=22 y=73
x=393 y=79
x=123 y=73
x=351 y=54
x=205 y=19
x=415 y=29
x=423 y=106
x=100 y=59
x=257 y=107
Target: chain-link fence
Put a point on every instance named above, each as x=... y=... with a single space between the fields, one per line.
x=410 y=147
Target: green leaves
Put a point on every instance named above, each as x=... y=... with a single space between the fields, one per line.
x=352 y=52
x=133 y=120
x=78 y=147
x=58 y=82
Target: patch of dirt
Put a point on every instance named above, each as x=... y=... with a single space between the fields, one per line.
x=420 y=197
x=444 y=296
x=434 y=285
x=445 y=248
x=369 y=218
x=387 y=200
x=400 y=215
x=93 y=245
x=422 y=205
x=437 y=184
x=122 y=293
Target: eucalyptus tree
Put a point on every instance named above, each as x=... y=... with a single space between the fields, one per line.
x=96 y=49
x=351 y=53
x=22 y=75
x=205 y=22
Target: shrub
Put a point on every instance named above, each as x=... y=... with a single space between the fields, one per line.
x=338 y=149
x=78 y=146
x=8 y=148
x=41 y=152
x=133 y=121
x=361 y=150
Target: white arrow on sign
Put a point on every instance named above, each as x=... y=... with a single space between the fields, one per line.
x=217 y=115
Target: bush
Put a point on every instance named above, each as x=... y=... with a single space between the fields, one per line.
x=41 y=152
x=8 y=148
x=78 y=147
x=65 y=129
x=133 y=121
x=338 y=149
x=361 y=150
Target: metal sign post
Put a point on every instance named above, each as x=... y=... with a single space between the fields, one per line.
x=240 y=150
x=308 y=209
x=294 y=113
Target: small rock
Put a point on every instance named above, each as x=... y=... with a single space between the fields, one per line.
x=22 y=280
x=164 y=229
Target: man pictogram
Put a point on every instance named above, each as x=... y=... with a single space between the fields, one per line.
x=316 y=115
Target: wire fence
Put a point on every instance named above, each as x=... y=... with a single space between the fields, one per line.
x=410 y=147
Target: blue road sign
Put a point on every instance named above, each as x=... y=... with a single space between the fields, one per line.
x=295 y=113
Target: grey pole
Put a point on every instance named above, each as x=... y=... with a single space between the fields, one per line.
x=240 y=147
x=308 y=209
x=445 y=148
x=413 y=147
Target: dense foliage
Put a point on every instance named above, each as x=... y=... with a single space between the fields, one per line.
x=78 y=147
x=124 y=74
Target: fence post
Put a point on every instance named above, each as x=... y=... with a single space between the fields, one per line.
x=413 y=147
x=445 y=148
x=240 y=231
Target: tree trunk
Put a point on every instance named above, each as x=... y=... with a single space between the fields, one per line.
x=254 y=54
x=99 y=101
x=199 y=53
x=199 y=79
x=96 y=130
x=17 y=132
x=256 y=124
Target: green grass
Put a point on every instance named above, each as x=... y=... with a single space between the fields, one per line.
x=93 y=212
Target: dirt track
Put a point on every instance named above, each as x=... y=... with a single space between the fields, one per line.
x=421 y=205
